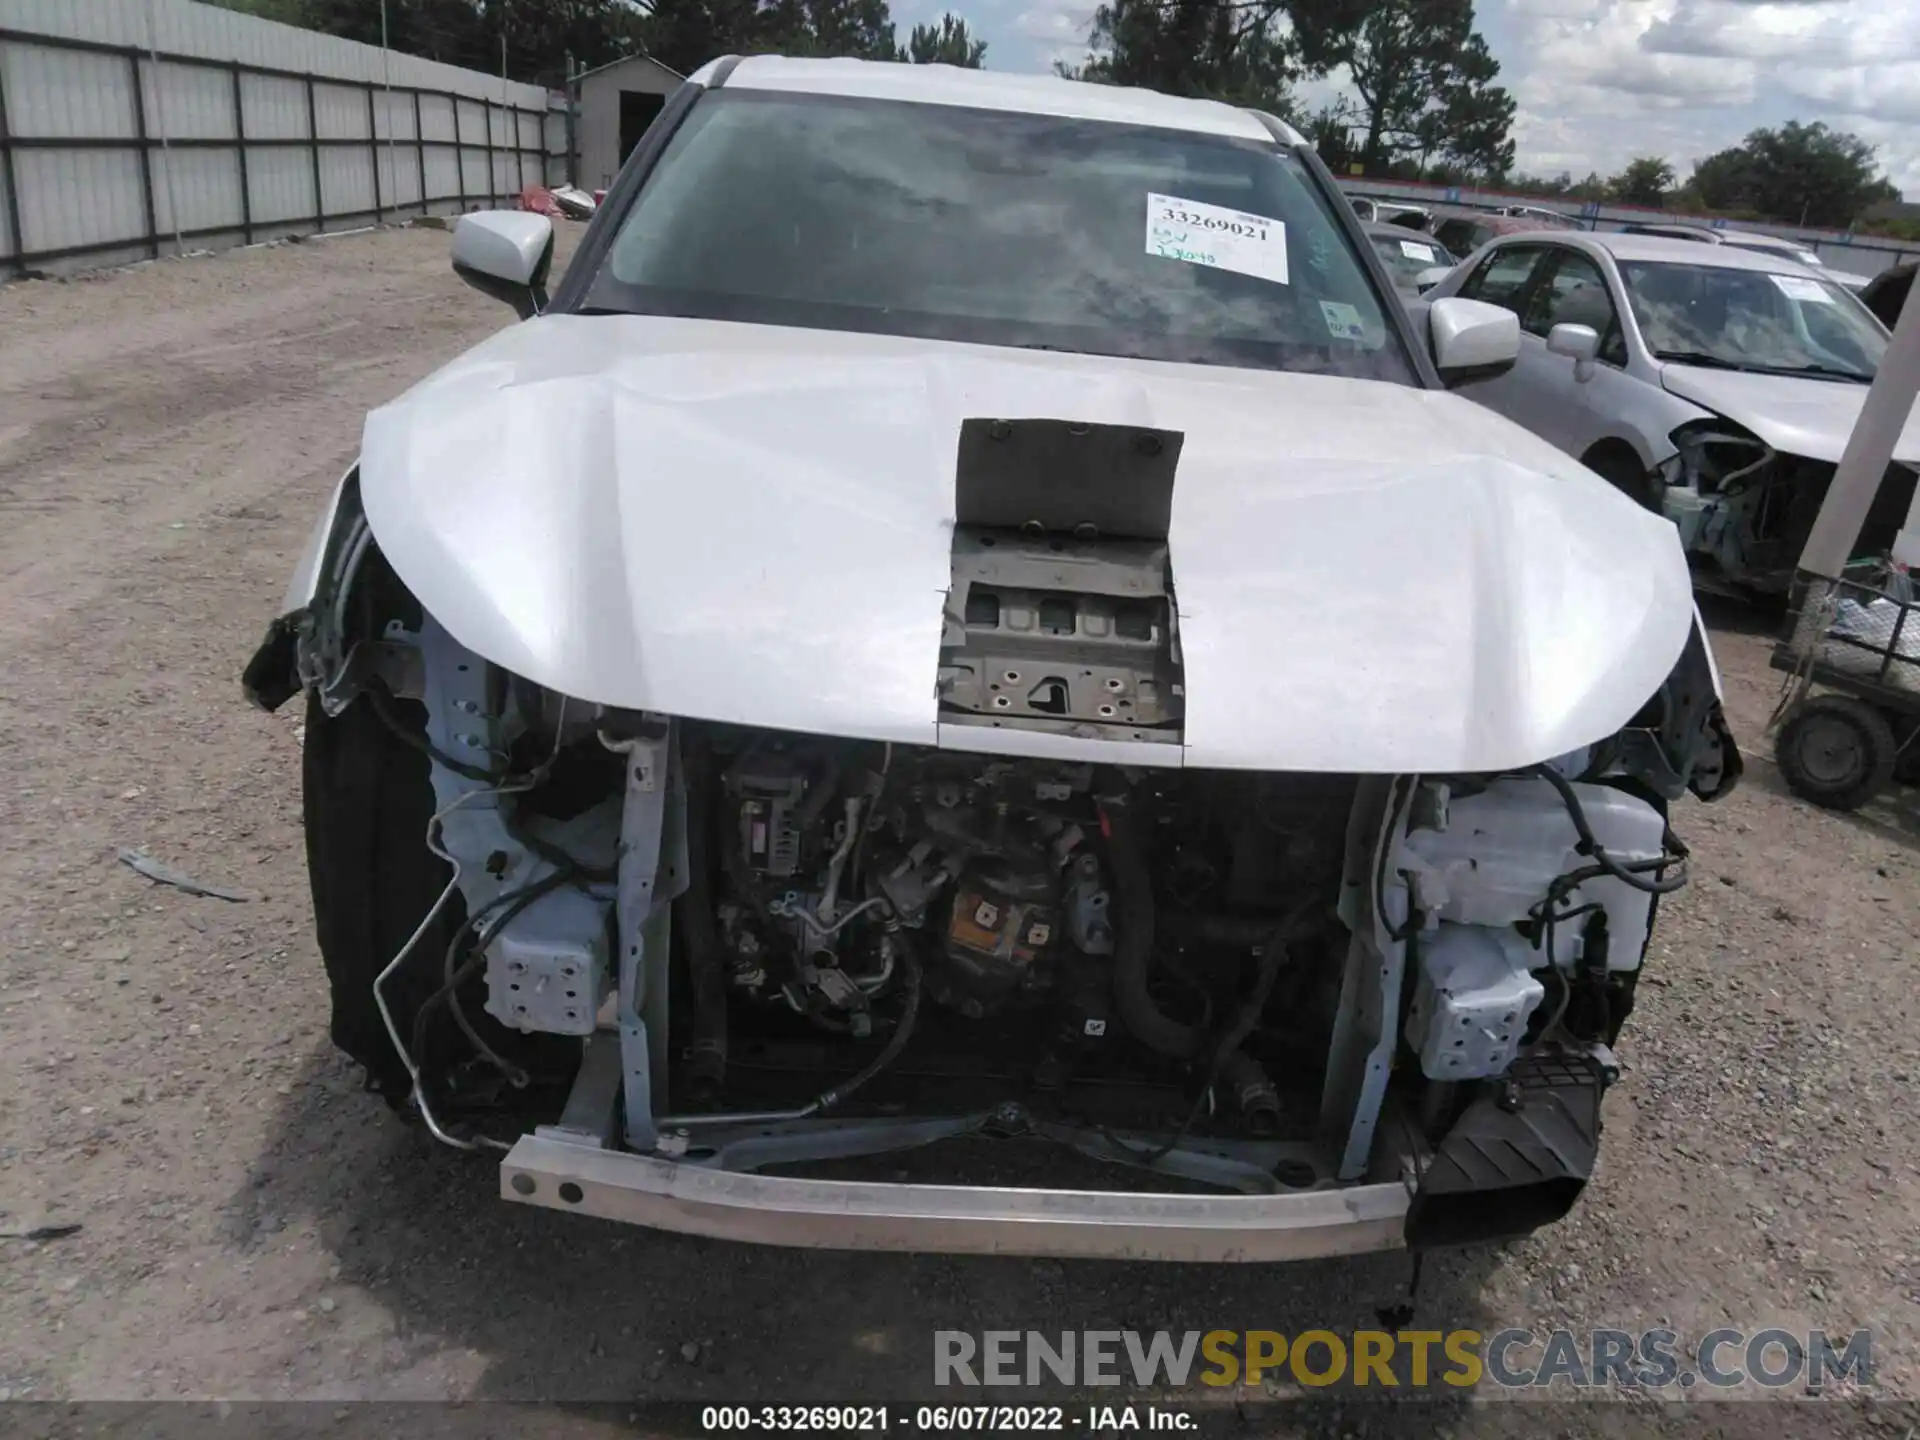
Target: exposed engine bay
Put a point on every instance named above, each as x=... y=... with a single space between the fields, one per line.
x=1046 y=922
x=744 y=947
x=1744 y=510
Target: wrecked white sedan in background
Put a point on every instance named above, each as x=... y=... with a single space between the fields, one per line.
x=1713 y=384
x=972 y=617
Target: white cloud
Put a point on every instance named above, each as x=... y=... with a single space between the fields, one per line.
x=1597 y=85
x=1598 y=82
x=1056 y=29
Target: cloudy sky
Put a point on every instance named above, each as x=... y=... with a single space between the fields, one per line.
x=1600 y=81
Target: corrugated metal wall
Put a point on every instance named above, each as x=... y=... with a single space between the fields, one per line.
x=131 y=128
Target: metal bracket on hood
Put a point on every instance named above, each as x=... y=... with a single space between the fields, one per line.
x=1069 y=635
x=1061 y=616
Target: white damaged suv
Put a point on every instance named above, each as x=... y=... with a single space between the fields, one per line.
x=971 y=621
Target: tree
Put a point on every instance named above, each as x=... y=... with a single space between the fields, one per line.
x=1811 y=175
x=1796 y=174
x=1330 y=128
x=1209 y=48
x=287 y=12
x=950 y=43
x=538 y=35
x=1423 y=74
x=862 y=29
x=1560 y=185
x=685 y=34
x=1724 y=180
x=1591 y=188
x=1645 y=181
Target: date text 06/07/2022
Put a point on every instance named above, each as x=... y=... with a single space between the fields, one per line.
x=943 y=1419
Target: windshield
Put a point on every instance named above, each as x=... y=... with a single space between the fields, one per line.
x=997 y=228
x=1751 y=320
x=1408 y=256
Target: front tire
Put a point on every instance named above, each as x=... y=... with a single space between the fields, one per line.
x=1621 y=468
x=366 y=801
x=1836 y=751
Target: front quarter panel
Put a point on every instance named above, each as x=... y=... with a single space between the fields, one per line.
x=1648 y=414
x=297 y=645
x=305 y=581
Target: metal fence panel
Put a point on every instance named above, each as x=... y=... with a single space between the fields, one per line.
x=473 y=172
x=273 y=107
x=346 y=181
x=124 y=123
x=60 y=93
x=393 y=115
x=205 y=184
x=399 y=176
x=471 y=118
x=436 y=117
x=341 y=111
x=74 y=198
x=280 y=185
x=443 y=172
x=187 y=102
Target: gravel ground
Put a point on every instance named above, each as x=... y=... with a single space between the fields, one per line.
x=255 y=1226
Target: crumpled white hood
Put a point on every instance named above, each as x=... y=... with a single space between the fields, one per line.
x=1811 y=418
x=753 y=524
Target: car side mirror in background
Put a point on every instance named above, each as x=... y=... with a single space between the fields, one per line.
x=1427 y=279
x=1579 y=343
x=1471 y=339
x=506 y=254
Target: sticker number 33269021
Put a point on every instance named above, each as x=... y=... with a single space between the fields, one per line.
x=1212 y=235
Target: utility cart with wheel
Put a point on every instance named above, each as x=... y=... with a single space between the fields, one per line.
x=1850 y=714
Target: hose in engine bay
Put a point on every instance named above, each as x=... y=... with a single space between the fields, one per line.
x=834 y=1095
x=501 y=910
x=1134 y=942
x=1642 y=875
x=1273 y=956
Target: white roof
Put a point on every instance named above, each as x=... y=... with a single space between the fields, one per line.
x=1779 y=245
x=1623 y=246
x=992 y=90
x=640 y=58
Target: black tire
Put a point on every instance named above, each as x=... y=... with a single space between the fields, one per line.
x=1621 y=468
x=366 y=801
x=1836 y=751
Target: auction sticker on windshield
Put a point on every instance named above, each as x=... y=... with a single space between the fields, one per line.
x=1795 y=287
x=1413 y=250
x=1211 y=235
x=1343 y=321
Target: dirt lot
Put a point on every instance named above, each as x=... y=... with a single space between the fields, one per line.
x=254 y=1226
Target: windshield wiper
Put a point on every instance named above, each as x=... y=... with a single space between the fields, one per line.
x=1700 y=358
x=1819 y=372
x=1717 y=362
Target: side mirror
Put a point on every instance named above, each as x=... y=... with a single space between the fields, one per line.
x=1579 y=343
x=1576 y=342
x=1429 y=278
x=506 y=254
x=1471 y=339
